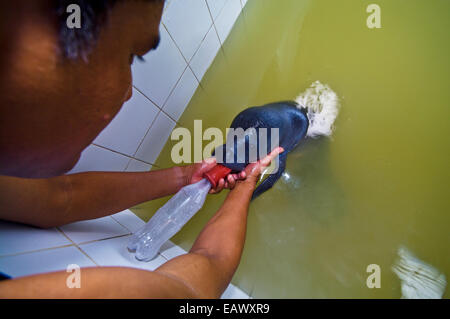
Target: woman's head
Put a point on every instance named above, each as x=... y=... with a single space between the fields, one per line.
x=59 y=87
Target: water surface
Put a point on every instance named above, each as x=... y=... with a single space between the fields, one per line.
x=382 y=180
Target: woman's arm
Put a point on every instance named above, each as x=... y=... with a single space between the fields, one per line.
x=213 y=259
x=204 y=272
x=69 y=198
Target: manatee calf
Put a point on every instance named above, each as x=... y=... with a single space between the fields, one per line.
x=312 y=114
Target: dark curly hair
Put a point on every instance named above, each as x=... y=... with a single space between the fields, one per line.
x=78 y=42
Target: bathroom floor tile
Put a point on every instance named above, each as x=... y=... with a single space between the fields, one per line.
x=18 y=238
x=43 y=261
x=169 y=250
x=129 y=220
x=233 y=292
x=95 y=229
x=114 y=252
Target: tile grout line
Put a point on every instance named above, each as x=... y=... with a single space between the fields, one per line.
x=157 y=106
x=195 y=53
x=132 y=157
x=201 y=42
x=160 y=108
x=104 y=239
x=148 y=98
x=37 y=250
x=124 y=225
x=184 y=58
x=188 y=65
x=145 y=135
x=109 y=238
x=68 y=238
x=119 y=153
x=234 y=22
x=214 y=20
x=215 y=29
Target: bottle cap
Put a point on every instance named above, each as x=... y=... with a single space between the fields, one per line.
x=218 y=172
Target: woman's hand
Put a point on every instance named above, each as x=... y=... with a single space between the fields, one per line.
x=254 y=170
x=195 y=173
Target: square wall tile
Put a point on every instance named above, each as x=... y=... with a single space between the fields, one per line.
x=96 y=158
x=187 y=21
x=206 y=54
x=18 y=238
x=216 y=6
x=166 y=4
x=94 y=229
x=129 y=220
x=180 y=97
x=155 y=139
x=137 y=166
x=114 y=252
x=44 y=261
x=129 y=126
x=161 y=70
x=226 y=19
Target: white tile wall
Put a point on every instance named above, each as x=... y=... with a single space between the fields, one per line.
x=188 y=21
x=160 y=71
x=95 y=158
x=122 y=137
x=227 y=17
x=215 y=7
x=26 y=250
x=191 y=35
x=182 y=94
x=206 y=54
x=155 y=139
x=163 y=87
x=137 y=166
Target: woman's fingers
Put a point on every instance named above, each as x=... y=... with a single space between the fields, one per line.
x=255 y=169
x=252 y=170
x=269 y=158
x=219 y=187
x=231 y=181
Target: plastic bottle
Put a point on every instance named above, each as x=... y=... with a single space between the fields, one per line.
x=171 y=217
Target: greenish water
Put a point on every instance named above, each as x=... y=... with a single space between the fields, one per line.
x=381 y=181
